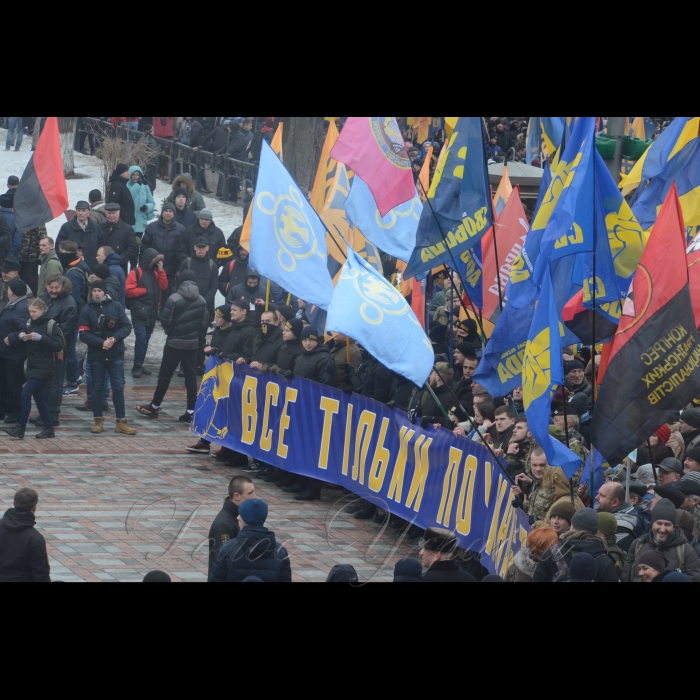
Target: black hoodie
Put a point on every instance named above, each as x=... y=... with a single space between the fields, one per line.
x=23 y=557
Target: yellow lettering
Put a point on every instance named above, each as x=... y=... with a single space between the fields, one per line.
x=363 y=438
x=420 y=473
x=466 y=495
x=449 y=486
x=380 y=461
x=502 y=489
x=348 y=434
x=396 y=485
x=249 y=406
x=329 y=407
x=290 y=396
x=271 y=396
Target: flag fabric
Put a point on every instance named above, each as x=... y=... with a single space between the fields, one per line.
x=326 y=170
x=471 y=270
x=42 y=194
x=288 y=240
x=503 y=193
x=552 y=133
x=424 y=175
x=653 y=363
x=373 y=147
x=421 y=128
x=543 y=374
x=544 y=187
x=418 y=299
x=367 y=308
x=533 y=139
x=394 y=233
x=459 y=204
x=694 y=277
x=638 y=130
x=677 y=135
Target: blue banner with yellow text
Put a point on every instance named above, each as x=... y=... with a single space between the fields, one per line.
x=428 y=477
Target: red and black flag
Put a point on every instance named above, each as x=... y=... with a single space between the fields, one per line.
x=653 y=363
x=42 y=194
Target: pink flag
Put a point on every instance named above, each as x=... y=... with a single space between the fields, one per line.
x=374 y=148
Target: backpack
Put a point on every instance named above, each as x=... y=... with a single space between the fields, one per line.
x=57 y=356
x=88 y=281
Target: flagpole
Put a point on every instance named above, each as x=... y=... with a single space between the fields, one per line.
x=267 y=297
x=493 y=218
x=591 y=476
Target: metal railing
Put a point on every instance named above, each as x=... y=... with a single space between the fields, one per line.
x=180 y=158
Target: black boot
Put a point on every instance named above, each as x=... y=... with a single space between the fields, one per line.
x=46 y=433
x=294 y=488
x=308 y=495
x=16 y=432
x=145 y=371
x=137 y=371
x=366 y=513
x=287 y=480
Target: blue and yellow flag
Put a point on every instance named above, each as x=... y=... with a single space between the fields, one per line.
x=367 y=308
x=533 y=151
x=459 y=201
x=288 y=240
x=552 y=133
x=543 y=374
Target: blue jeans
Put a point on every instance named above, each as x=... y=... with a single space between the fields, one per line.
x=115 y=370
x=134 y=126
x=72 y=363
x=36 y=388
x=88 y=384
x=143 y=335
x=15 y=122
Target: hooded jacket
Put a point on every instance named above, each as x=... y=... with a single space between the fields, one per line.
x=120 y=237
x=224 y=529
x=78 y=273
x=90 y=240
x=13 y=318
x=63 y=308
x=143 y=197
x=94 y=332
x=50 y=265
x=248 y=294
x=9 y=215
x=165 y=239
x=372 y=379
x=233 y=273
x=119 y=194
x=288 y=354
x=254 y=552
x=206 y=277
x=239 y=342
x=186 y=217
x=267 y=346
x=523 y=567
x=317 y=365
x=554 y=566
x=97 y=213
x=114 y=263
x=184 y=317
x=143 y=286
x=23 y=557
x=685 y=560
x=195 y=201
x=41 y=354
x=214 y=237
x=6 y=239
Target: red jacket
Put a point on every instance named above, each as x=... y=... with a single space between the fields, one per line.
x=163 y=131
x=133 y=291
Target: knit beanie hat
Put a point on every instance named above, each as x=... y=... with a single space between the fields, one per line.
x=121 y=169
x=467 y=349
x=18 y=287
x=178 y=191
x=655 y=559
x=295 y=326
x=309 y=333
x=645 y=474
x=564 y=509
x=607 y=524
x=169 y=206
x=693 y=454
x=583 y=568
x=102 y=271
x=224 y=311
x=586 y=520
x=157 y=577
x=406 y=570
x=664 y=510
x=253 y=512
x=574 y=364
x=663 y=433
x=692 y=417
x=99 y=284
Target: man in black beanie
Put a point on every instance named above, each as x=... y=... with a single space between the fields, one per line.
x=119 y=194
x=14 y=315
x=689 y=428
x=667 y=539
x=576 y=381
x=438 y=552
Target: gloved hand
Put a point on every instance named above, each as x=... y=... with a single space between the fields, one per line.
x=288 y=374
x=348 y=390
x=144 y=208
x=349 y=369
x=213 y=352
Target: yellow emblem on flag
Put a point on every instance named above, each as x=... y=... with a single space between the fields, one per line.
x=537 y=368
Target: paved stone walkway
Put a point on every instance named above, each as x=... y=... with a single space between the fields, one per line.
x=114 y=507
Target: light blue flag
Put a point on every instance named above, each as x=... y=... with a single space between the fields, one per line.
x=368 y=309
x=534 y=138
x=394 y=233
x=543 y=374
x=287 y=238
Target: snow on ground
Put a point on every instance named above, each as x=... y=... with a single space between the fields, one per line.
x=226 y=216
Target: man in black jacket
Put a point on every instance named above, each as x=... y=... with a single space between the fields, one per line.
x=23 y=557
x=85 y=232
x=204 y=228
x=372 y=379
x=268 y=343
x=225 y=527
x=439 y=548
x=103 y=327
x=119 y=235
x=163 y=235
x=119 y=194
x=184 y=318
x=239 y=343
x=253 y=291
x=14 y=315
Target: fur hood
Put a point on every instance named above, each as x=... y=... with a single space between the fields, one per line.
x=186 y=182
x=150 y=259
x=525 y=562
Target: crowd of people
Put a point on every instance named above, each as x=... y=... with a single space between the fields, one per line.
x=121 y=267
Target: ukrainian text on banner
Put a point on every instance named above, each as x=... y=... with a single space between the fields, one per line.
x=428 y=477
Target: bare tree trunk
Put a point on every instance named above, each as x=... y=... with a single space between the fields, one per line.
x=303 y=143
x=37 y=132
x=66 y=130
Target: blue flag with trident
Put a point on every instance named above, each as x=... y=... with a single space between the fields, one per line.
x=287 y=238
x=367 y=308
x=543 y=374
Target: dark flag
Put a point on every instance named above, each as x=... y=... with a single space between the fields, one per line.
x=42 y=194
x=653 y=362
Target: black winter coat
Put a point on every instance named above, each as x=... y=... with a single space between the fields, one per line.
x=219 y=338
x=90 y=240
x=184 y=317
x=121 y=238
x=288 y=354
x=213 y=234
x=5 y=236
x=232 y=274
x=13 y=319
x=185 y=217
x=216 y=140
x=239 y=342
x=206 y=277
x=41 y=360
x=372 y=379
x=165 y=240
x=243 y=292
x=266 y=348
x=446 y=572
x=555 y=562
x=23 y=557
x=119 y=194
x=254 y=552
x=94 y=335
x=430 y=409
x=318 y=366
x=223 y=529
x=63 y=308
